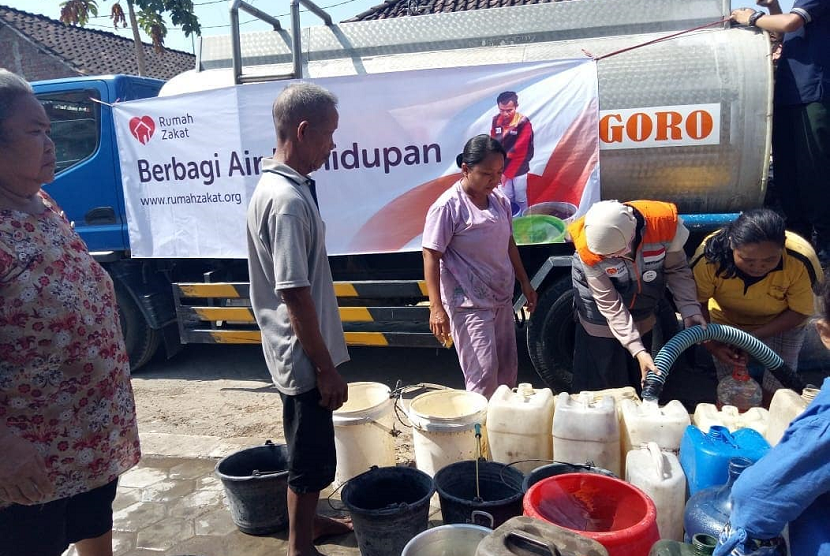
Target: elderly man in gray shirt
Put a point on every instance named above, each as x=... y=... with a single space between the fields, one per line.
x=293 y=298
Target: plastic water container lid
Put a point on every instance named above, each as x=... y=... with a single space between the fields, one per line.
x=447 y=409
x=525 y=389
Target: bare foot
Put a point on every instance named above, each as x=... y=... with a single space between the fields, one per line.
x=325 y=526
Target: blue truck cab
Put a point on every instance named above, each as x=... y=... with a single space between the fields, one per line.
x=87 y=187
x=87 y=182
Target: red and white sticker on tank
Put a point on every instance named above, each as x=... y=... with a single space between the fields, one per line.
x=660 y=126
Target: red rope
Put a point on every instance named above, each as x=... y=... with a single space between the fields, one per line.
x=659 y=39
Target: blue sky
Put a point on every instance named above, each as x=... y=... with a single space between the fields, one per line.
x=213 y=15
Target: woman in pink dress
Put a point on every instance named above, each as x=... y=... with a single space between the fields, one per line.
x=67 y=414
x=471 y=263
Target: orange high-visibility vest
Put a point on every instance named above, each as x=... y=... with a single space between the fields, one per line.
x=661 y=225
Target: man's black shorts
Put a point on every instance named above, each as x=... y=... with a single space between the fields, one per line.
x=309 y=433
x=48 y=529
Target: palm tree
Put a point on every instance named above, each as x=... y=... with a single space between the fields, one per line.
x=149 y=18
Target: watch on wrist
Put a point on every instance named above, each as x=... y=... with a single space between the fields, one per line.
x=753 y=19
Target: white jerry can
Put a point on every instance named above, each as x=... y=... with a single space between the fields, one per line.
x=658 y=474
x=707 y=416
x=518 y=425
x=648 y=422
x=585 y=430
x=785 y=406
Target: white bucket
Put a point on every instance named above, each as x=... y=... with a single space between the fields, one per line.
x=363 y=431
x=459 y=539
x=443 y=428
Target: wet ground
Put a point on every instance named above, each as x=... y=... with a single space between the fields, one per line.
x=175 y=506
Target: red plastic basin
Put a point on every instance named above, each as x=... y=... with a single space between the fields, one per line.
x=616 y=514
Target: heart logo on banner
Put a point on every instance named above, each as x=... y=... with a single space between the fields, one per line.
x=142 y=128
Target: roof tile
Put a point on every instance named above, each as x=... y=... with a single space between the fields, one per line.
x=93 y=52
x=404 y=8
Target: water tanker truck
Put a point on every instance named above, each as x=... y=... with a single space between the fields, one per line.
x=158 y=185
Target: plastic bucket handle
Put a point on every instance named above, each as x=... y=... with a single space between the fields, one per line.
x=440 y=427
x=258 y=473
x=255 y=474
x=371 y=469
x=486 y=515
x=456 y=423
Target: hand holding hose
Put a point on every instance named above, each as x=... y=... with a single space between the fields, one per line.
x=726 y=353
x=646 y=364
x=693 y=320
x=762 y=353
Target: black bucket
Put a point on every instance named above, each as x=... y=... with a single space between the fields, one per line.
x=256 y=483
x=500 y=489
x=389 y=506
x=560 y=468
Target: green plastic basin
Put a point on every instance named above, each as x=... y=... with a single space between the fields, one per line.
x=538 y=228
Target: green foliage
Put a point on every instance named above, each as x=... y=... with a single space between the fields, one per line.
x=77 y=12
x=149 y=15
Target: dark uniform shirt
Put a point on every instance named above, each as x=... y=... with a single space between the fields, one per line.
x=803 y=73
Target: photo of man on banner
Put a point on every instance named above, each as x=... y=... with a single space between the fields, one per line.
x=515 y=133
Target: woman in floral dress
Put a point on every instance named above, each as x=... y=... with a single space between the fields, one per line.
x=67 y=414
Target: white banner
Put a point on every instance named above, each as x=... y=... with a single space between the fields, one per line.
x=190 y=163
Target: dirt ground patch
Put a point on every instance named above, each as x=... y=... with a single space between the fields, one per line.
x=221 y=407
x=225 y=408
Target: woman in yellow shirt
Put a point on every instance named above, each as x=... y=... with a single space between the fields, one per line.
x=754 y=275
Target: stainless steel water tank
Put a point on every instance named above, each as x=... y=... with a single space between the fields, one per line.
x=728 y=69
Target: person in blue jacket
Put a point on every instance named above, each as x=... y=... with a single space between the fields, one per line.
x=790 y=485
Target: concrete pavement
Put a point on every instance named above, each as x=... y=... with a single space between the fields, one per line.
x=172 y=504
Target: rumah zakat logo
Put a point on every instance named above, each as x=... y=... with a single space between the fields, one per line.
x=142 y=128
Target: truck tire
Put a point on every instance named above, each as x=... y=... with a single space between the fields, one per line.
x=550 y=335
x=141 y=340
x=551 y=328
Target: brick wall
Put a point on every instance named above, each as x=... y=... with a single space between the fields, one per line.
x=23 y=58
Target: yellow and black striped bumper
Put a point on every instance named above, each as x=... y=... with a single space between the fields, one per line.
x=221 y=313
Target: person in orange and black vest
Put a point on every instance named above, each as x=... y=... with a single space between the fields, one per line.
x=514 y=132
x=626 y=255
